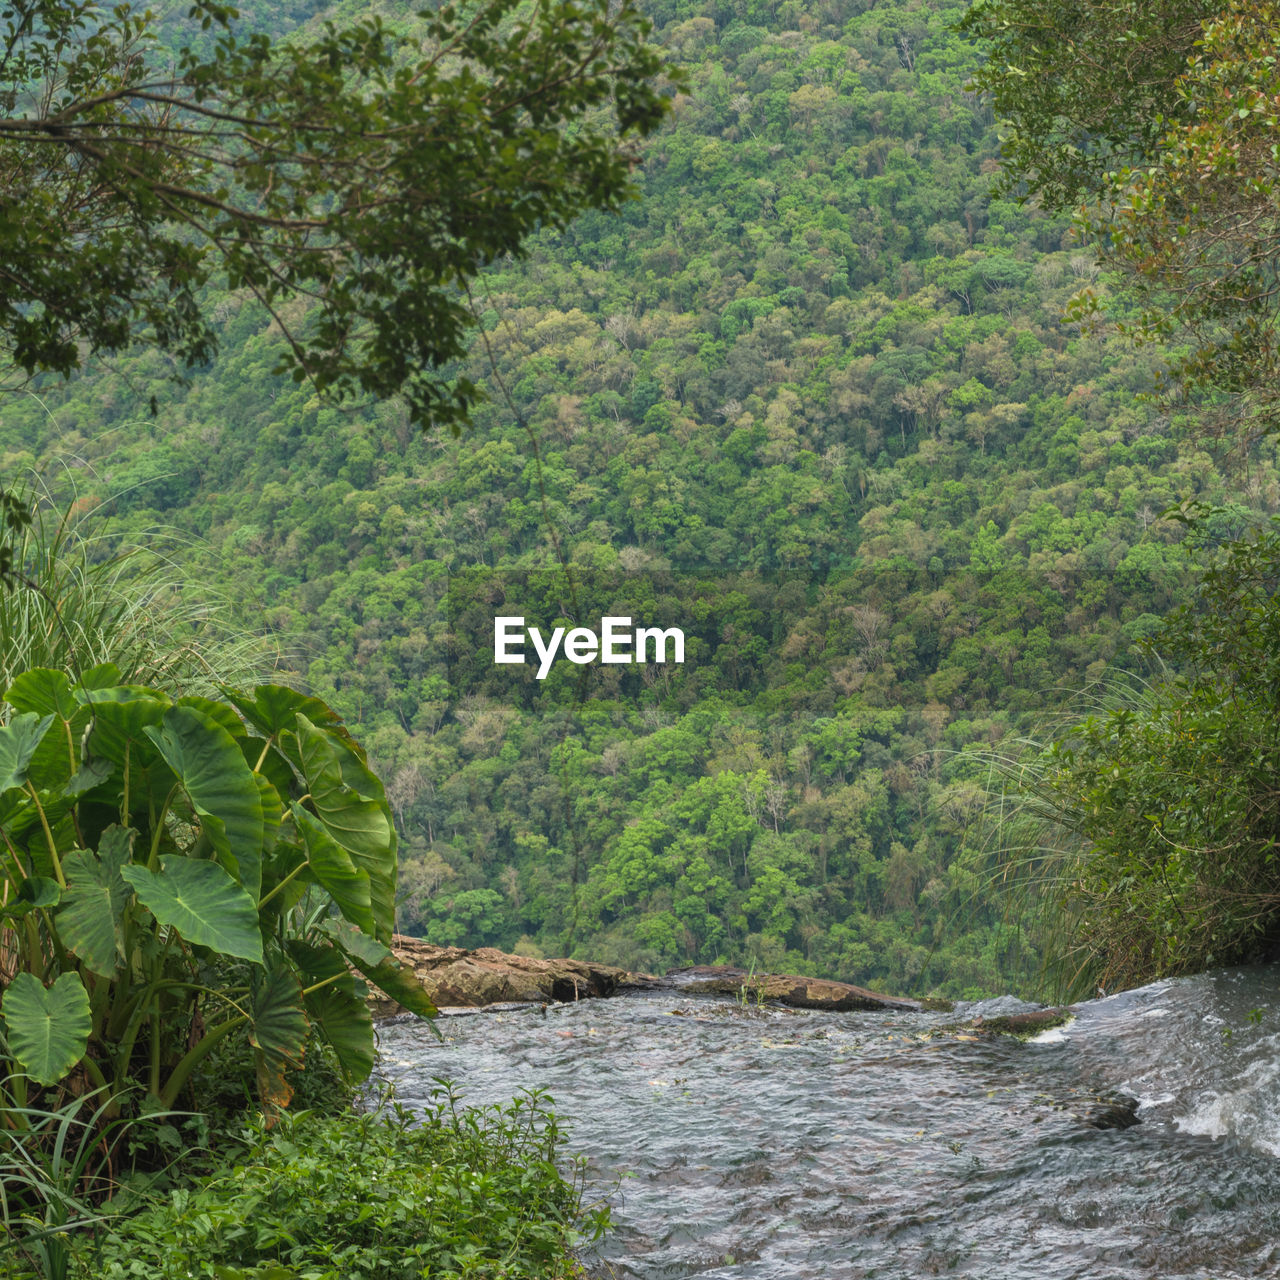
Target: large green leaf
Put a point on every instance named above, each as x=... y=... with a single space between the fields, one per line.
x=279 y=1034
x=219 y=712
x=120 y=714
x=281 y=881
x=339 y=1009
x=105 y=675
x=92 y=773
x=361 y=826
x=49 y=693
x=212 y=769
x=272 y=813
x=279 y=1023
x=378 y=964
x=18 y=742
x=357 y=774
x=397 y=981
x=201 y=901
x=44 y=691
x=272 y=766
x=33 y=892
x=273 y=707
x=346 y=1022
x=361 y=948
x=48 y=1029
x=92 y=914
x=332 y=866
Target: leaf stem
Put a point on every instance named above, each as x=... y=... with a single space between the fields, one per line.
x=48 y=835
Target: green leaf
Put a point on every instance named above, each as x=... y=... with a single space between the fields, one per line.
x=33 y=892
x=346 y=1022
x=361 y=948
x=48 y=1029
x=205 y=905
x=278 y=1034
x=385 y=972
x=273 y=708
x=274 y=767
x=43 y=691
x=272 y=813
x=218 y=712
x=280 y=865
x=279 y=1023
x=211 y=767
x=102 y=676
x=92 y=914
x=395 y=980
x=18 y=742
x=119 y=694
x=339 y=1009
x=92 y=773
x=40 y=891
x=333 y=869
x=360 y=825
x=120 y=714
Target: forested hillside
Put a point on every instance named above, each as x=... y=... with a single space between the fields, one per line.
x=812 y=391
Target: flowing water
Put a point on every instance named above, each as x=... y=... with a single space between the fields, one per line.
x=768 y=1144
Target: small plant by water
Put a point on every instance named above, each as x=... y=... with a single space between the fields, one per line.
x=751 y=987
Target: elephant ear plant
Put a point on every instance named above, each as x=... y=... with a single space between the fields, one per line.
x=174 y=871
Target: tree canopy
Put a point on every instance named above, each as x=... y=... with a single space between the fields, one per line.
x=1160 y=122
x=1086 y=87
x=367 y=170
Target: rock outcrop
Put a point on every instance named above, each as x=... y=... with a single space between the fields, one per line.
x=789 y=989
x=454 y=977
x=1023 y=1025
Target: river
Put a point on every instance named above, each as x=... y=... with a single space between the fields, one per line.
x=738 y=1143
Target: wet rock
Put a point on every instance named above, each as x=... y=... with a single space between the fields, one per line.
x=788 y=989
x=936 y=1004
x=1023 y=1025
x=1117 y=1111
x=998 y=1007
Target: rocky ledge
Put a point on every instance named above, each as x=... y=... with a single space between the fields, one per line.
x=454 y=977
x=781 y=988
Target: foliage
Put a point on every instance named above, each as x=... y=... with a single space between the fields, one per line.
x=1162 y=120
x=452 y=1193
x=369 y=168
x=56 y=1166
x=1173 y=797
x=170 y=870
x=76 y=598
x=1088 y=87
x=15 y=518
x=820 y=374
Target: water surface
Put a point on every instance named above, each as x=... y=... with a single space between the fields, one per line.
x=778 y=1145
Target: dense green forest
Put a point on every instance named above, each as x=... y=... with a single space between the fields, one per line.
x=812 y=392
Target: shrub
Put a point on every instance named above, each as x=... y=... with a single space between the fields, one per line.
x=1172 y=797
x=455 y=1192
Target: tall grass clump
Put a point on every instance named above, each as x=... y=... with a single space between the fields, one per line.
x=77 y=595
x=61 y=1165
